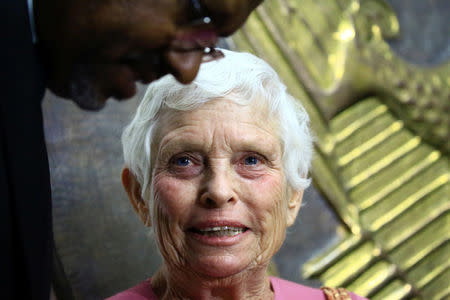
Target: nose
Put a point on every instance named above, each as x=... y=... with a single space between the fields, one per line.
x=184 y=65
x=218 y=190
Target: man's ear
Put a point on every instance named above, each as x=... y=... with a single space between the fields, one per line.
x=294 y=204
x=133 y=189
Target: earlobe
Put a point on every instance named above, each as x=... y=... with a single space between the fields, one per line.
x=294 y=204
x=133 y=189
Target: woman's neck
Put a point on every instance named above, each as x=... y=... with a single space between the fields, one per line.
x=251 y=284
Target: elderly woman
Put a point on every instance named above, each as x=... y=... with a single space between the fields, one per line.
x=218 y=169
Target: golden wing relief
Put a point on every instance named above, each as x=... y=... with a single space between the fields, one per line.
x=400 y=188
x=383 y=141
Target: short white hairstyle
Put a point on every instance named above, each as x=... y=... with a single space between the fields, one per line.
x=239 y=77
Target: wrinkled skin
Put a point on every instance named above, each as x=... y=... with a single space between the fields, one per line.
x=96 y=49
x=222 y=161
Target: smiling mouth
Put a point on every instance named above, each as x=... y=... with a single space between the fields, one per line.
x=219 y=231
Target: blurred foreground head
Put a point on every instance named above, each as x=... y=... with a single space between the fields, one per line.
x=96 y=49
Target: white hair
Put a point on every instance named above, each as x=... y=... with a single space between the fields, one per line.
x=240 y=77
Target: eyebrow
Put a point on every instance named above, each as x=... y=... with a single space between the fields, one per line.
x=262 y=147
x=181 y=143
x=251 y=144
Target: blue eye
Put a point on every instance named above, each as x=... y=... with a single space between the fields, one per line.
x=182 y=161
x=251 y=160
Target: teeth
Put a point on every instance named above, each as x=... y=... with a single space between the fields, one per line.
x=221 y=231
x=220 y=228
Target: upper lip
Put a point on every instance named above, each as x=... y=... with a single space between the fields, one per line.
x=216 y=223
x=133 y=63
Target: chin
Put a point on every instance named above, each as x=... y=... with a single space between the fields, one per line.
x=90 y=86
x=89 y=103
x=221 y=267
x=81 y=90
x=89 y=96
x=90 y=106
x=86 y=94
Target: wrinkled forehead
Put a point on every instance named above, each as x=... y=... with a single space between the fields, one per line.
x=260 y=134
x=229 y=109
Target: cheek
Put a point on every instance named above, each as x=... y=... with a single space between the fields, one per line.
x=173 y=197
x=171 y=207
x=269 y=207
x=266 y=193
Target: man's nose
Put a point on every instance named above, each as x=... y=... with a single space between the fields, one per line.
x=184 y=65
x=219 y=190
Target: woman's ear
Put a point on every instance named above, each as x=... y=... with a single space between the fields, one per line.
x=294 y=204
x=133 y=189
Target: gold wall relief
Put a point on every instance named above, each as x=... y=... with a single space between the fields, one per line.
x=383 y=141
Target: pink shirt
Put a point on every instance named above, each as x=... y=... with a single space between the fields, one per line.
x=288 y=290
x=283 y=290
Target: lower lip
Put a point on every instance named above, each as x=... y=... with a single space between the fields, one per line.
x=218 y=240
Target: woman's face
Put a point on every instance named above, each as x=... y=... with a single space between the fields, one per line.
x=220 y=195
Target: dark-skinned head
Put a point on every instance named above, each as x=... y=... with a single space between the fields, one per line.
x=96 y=49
